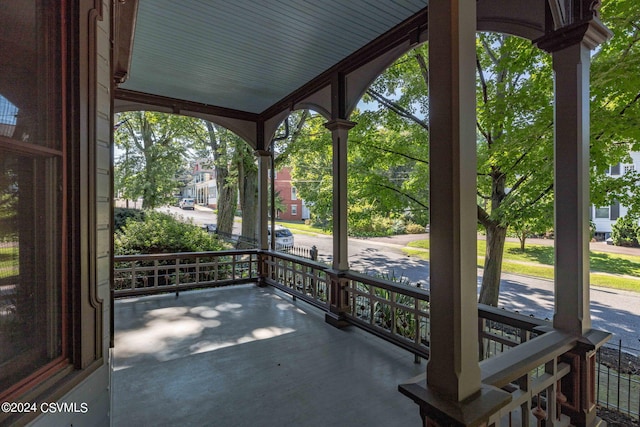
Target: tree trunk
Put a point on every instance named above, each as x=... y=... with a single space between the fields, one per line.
x=249 y=202
x=227 y=190
x=227 y=204
x=248 y=190
x=490 y=290
x=523 y=239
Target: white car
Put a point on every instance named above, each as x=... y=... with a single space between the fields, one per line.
x=187 y=204
x=284 y=238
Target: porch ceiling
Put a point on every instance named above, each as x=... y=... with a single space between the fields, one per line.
x=246 y=55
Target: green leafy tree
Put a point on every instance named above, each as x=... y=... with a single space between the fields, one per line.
x=615 y=106
x=515 y=127
x=309 y=156
x=279 y=204
x=154 y=150
x=515 y=145
x=385 y=171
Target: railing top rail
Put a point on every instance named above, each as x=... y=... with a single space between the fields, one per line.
x=411 y=291
x=515 y=319
x=164 y=256
x=500 y=370
x=297 y=259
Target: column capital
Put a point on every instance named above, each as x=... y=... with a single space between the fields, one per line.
x=339 y=124
x=592 y=33
x=262 y=153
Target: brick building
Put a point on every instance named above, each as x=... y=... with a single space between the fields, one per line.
x=295 y=207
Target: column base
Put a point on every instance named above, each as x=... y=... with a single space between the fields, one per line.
x=438 y=410
x=336 y=320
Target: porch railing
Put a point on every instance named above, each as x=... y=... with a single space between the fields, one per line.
x=157 y=273
x=532 y=374
x=618 y=380
x=299 y=277
x=396 y=312
x=518 y=356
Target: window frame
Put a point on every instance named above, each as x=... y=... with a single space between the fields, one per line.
x=54 y=148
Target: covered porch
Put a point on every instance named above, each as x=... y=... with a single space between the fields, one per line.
x=549 y=377
x=234 y=335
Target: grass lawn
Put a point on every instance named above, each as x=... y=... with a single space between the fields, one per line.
x=8 y=261
x=607 y=270
x=302 y=228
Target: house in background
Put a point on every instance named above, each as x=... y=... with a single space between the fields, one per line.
x=295 y=206
x=202 y=186
x=604 y=217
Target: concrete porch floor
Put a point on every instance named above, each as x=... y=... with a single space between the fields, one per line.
x=249 y=356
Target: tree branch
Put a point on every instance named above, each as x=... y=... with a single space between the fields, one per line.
x=386 y=150
x=484 y=218
x=397 y=108
x=402 y=193
x=424 y=69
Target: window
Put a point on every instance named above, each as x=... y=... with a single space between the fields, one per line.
x=32 y=197
x=615 y=169
x=610 y=212
x=629 y=168
x=294 y=209
x=294 y=193
x=614 y=211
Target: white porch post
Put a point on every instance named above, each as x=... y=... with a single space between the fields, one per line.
x=453 y=365
x=339 y=133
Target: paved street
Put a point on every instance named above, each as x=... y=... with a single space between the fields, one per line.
x=615 y=311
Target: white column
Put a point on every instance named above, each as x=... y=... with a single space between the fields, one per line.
x=339 y=132
x=453 y=365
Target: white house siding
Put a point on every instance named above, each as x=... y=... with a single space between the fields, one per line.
x=94 y=391
x=603 y=225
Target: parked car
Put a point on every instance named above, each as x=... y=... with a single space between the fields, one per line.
x=187 y=204
x=211 y=228
x=284 y=237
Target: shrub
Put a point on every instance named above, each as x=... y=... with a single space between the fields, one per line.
x=398 y=226
x=375 y=225
x=413 y=228
x=625 y=231
x=121 y=215
x=162 y=233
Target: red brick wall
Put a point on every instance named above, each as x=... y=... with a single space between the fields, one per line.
x=283 y=185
